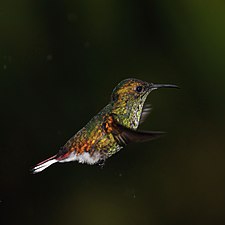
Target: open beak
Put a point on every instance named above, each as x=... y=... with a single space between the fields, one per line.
x=157 y=86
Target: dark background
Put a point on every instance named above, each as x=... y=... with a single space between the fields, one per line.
x=60 y=60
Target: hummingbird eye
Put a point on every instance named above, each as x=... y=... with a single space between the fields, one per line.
x=139 y=89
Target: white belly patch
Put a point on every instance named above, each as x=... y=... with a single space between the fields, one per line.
x=83 y=158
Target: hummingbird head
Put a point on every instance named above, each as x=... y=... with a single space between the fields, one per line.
x=133 y=89
x=129 y=95
x=128 y=90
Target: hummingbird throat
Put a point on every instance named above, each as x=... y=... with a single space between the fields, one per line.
x=131 y=114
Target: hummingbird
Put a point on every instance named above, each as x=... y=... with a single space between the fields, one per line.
x=115 y=126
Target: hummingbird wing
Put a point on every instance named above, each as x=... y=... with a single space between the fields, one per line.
x=124 y=135
x=145 y=112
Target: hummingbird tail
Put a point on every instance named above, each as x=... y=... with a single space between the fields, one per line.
x=44 y=164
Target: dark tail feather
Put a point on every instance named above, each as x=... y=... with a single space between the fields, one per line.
x=44 y=164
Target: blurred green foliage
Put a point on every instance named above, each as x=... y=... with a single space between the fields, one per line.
x=60 y=60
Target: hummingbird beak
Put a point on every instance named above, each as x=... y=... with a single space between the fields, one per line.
x=157 y=86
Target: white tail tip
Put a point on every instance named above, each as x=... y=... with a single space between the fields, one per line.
x=41 y=166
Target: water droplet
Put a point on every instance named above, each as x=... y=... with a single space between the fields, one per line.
x=87 y=44
x=49 y=57
x=72 y=17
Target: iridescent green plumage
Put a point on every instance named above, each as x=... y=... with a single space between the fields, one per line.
x=111 y=129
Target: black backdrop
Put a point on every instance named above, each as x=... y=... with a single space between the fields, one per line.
x=60 y=60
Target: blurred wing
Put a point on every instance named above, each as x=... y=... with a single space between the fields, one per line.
x=124 y=135
x=145 y=112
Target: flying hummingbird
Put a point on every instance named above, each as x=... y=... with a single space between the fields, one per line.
x=112 y=128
